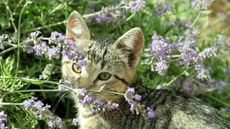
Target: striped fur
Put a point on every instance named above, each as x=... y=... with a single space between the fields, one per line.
x=120 y=58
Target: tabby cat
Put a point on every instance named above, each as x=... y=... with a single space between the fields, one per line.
x=113 y=65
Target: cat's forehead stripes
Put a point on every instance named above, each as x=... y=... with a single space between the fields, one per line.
x=98 y=52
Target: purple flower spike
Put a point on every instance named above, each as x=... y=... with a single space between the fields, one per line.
x=137 y=97
x=136 y=5
x=114 y=106
x=38 y=105
x=150 y=113
x=131 y=90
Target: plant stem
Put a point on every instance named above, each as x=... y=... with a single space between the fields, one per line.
x=10 y=49
x=175 y=78
x=112 y=92
x=193 y=23
x=86 y=16
x=19 y=38
x=11 y=17
x=10 y=104
x=33 y=90
x=30 y=80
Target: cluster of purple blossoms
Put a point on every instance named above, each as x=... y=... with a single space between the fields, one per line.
x=178 y=23
x=3 y=119
x=208 y=52
x=133 y=100
x=86 y=99
x=96 y=105
x=136 y=5
x=64 y=84
x=57 y=37
x=108 y=14
x=202 y=73
x=70 y=50
x=111 y=13
x=51 y=47
x=5 y=40
x=193 y=87
x=160 y=48
x=188 y=56
x=35 y=44
x=42 y=111
x=201 y=4
x=159 y=54
x=161 y=67
x=162 y=9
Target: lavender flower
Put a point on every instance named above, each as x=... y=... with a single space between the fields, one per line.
x=101 y=16
x=159 y=48
x=71 y=51
x=202 y=73
x=38 y=105
x=40 y=49
x=56 y=36
x=53 y=52
x=161 y=67
x=5 y=40
x=87 y=100
x=52 y=49
x=43 y=112
x=130 y=90
x=189 y=56
x=137 y=107
x=192 y=87
x=161 y=9
x=137 y=97
x=83 y=91
x=51 y=124
x=61 y=88
x=35 y=34
x=150 y=113
x=201 y=4
x=208 y=52
x=114 y=105
x=107 y=14
x=136 y=5
x=81 y=62
x=183 y=45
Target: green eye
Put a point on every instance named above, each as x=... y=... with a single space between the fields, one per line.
x=76 y=69
x=104 y=76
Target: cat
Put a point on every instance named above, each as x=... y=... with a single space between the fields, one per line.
x=114 y=65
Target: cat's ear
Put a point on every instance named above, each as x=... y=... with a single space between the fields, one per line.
x=131 y=43
x=76 y=27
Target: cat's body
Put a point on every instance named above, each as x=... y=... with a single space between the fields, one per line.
x=173 y=111
x=113 y=66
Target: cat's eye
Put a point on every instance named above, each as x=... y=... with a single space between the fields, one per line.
x=76 y=68
x=104 y=76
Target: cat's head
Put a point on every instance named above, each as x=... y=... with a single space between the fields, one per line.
x=112 y=65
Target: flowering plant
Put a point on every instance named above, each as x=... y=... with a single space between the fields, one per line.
x=181 y=52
